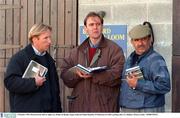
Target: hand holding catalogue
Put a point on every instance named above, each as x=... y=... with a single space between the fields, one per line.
x=132 y=80
x=83 y=74
x=134 y=72
x=39 y=80
x=133 y=75
x=34 y=69
x=90 y=70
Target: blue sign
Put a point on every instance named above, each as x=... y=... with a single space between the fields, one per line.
x=116 y=33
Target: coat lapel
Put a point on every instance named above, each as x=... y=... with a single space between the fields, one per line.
x=95 y=57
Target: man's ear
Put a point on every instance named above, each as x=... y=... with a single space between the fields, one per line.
x=151 y=40
x=85 y=30
x=131 y=41
x=34 y=39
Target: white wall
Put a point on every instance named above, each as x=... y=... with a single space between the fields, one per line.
x=133 y=12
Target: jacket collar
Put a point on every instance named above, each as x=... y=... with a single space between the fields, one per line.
x=30 y=51
x=85 y=44
x=37 y=52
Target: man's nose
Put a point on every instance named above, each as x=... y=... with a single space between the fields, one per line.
x=140 y=42
x=95 y=26
x=49 y=40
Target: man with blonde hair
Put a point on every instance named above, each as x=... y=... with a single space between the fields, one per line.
x=33 y=94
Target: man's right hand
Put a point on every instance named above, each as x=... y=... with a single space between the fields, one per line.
x=39 y=80
x=132 y=80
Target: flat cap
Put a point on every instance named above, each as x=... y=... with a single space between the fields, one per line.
x=139 y=31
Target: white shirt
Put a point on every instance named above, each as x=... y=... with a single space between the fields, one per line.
x=37 y=52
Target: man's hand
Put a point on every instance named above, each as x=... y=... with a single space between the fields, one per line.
x=83 y=75
x=39 y=80
x=132 y=80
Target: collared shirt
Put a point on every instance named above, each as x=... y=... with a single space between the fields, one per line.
x=37 y=52
x=92 y=45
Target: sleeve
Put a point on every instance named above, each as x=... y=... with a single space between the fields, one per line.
x=111 y=77
x=69 y=78
x=158 y=81
x=13 y=78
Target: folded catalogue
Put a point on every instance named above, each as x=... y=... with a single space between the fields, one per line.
x=135 y=71
x=90 y=70
x=33 y=69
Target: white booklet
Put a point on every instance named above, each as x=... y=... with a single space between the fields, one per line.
x=34 y=69
x=90 y=69
x=136 y=70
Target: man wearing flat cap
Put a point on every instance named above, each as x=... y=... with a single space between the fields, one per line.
x=145 y=78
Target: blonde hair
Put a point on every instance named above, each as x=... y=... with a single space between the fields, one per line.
x=38 y=29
